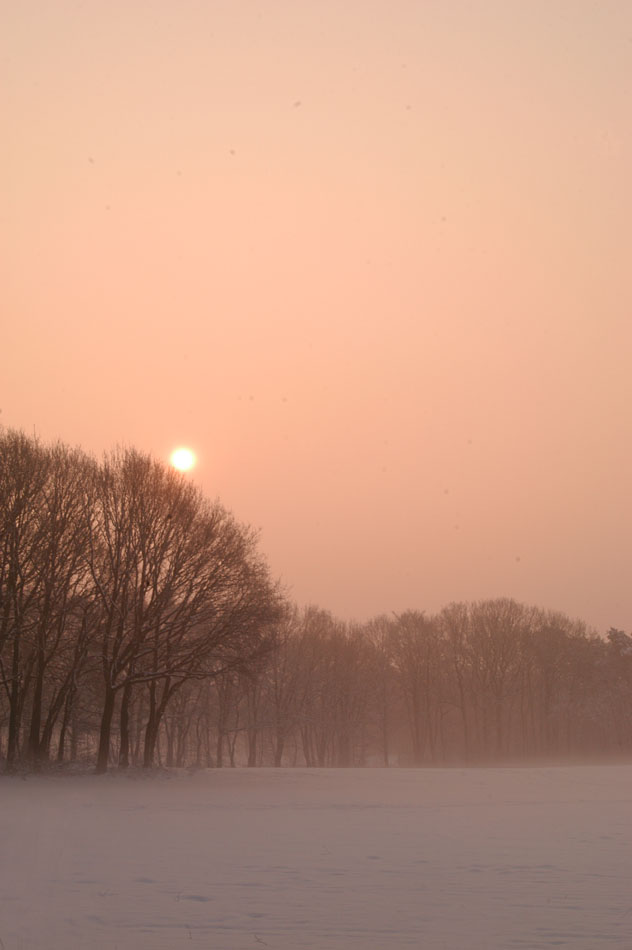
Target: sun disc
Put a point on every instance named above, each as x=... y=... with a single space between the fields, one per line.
x=183 y=459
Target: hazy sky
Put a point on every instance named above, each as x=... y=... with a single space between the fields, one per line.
x=370 y=259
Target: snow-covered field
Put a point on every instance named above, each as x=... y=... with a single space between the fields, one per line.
x=246 y=859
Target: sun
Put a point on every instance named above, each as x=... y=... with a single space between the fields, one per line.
x=183 y=459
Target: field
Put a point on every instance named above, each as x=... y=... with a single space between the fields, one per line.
x=446 y=859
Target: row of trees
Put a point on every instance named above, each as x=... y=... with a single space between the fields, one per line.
x=139 y=624
x=116 y=579
x=482 y=682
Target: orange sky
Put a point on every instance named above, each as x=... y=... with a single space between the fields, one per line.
x=370 y=260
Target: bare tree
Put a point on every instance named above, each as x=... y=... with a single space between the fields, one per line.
x=182 y=593
x=60 y=632
x=416 y=656
x=24 y=467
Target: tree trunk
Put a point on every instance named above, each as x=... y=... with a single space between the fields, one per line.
x=232 y=742
x=64 y=727
x=106 y=727
x=278 y=751
x=151 y=736
x=171 y=738
x=74 y=735
x=14 y=707
x=54 y=710
x=36 y=712
x=252 y=748
x=151 y=731
x=157 y=710
x=123 y=761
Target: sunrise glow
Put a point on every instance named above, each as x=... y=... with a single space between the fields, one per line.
x=183 y=459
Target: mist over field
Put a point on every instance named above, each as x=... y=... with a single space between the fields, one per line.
x=315 y=464
x=488 y=859
x=140 y=624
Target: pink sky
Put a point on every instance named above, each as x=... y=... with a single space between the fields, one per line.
x=370 y=260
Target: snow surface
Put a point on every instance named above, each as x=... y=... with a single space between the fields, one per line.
x=445 y=859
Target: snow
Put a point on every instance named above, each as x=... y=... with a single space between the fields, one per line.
x=445 y=859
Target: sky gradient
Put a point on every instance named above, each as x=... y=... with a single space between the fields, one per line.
x=369 y=260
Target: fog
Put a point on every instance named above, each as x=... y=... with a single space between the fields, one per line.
x=369 y=261
x=315 y=454
x=343 y=859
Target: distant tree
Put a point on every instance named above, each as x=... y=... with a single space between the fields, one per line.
x=497 y=629
x=620 y=641
x=415 y=651
x=283 y=682
x=617 y=681
x=454 y=624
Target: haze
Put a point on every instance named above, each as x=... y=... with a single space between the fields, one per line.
x=370 y=261
x=294 y=859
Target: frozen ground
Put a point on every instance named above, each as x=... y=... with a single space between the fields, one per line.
x=494 y=859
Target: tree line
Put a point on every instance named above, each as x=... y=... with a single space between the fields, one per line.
x=117 y=580
x=139 y=624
